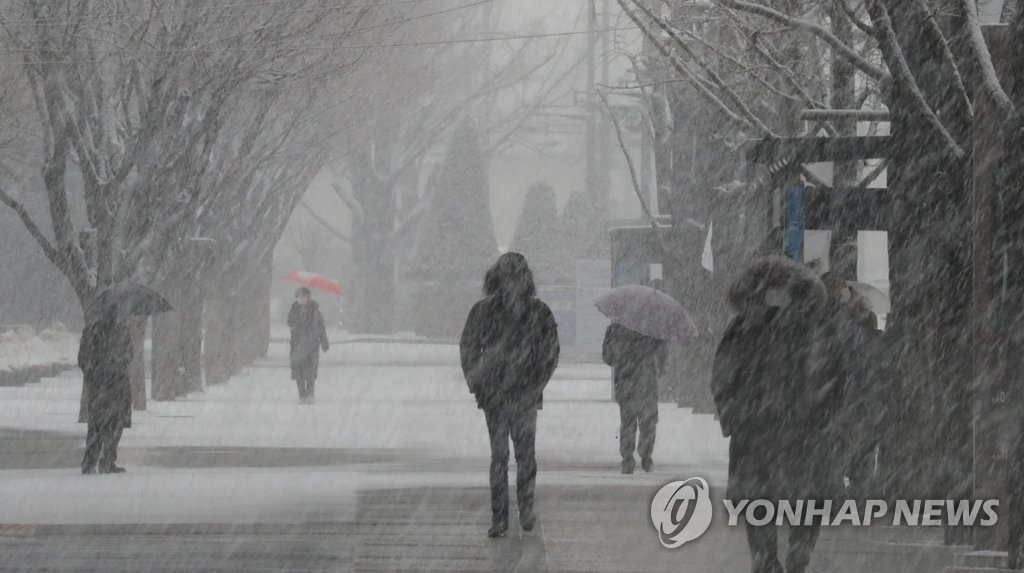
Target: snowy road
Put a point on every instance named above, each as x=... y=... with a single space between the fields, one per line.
x=387 y=471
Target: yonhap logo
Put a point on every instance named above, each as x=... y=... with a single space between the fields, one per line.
x=681 y=511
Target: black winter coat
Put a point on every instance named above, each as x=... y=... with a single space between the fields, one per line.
x=308 y=338
x=637 y=360
x=509 y=353
x=778 y=385
x=105 y=357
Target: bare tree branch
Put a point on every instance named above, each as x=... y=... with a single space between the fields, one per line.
x=323 y=222
x=983 y=59
x=819 y=31
x=903 y=74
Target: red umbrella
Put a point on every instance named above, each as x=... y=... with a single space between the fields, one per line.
x=313 y=280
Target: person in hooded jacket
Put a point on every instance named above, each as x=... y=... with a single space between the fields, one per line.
x=105 y=357
x=637 y=361
x=308 y=338
x=778 y=384
x=509 y=350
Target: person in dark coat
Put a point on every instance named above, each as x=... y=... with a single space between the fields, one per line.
x=777 y=385
x=105 y=357
x=864 y=412
x=308 y=338
x=509 y=350
x=637 y=360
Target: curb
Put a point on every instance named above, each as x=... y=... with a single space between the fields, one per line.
x=22 y=530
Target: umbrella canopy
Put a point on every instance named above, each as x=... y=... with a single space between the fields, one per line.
x=313 y=280
x=876 y=299
x=647 y=311
x=126 y=299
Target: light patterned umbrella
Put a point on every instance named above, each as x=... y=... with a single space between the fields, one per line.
x=647 y=311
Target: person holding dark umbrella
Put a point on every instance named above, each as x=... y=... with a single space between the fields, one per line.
x=308 y=338
x=509 y=350
x=105 y=356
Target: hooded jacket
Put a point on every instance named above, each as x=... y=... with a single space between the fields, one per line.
x=778 y=383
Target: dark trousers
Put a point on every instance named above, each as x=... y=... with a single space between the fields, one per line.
x=522 y=428
x=305 y=386
x=642 y=416
x=101 y=445
x=764 y=548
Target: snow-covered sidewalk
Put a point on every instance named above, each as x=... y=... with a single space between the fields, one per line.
x=413 y=424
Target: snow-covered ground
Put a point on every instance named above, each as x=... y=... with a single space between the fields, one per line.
x=22 y=347
x=414 y=423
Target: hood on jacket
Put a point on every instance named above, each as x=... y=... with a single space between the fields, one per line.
x=799 y=282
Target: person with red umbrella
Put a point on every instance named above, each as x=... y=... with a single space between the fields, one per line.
x=308 y=338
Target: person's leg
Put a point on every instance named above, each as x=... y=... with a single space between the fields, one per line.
x=627 y=436
x=92 y=449
x=524 y=437
x=311 y=388
x=764 y=549
x=497 y=427
x=648 y=432
x=111 y=439
x=300 y=385
x=801 y=542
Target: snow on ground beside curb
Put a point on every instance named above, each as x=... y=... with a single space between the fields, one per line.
x=21 y=347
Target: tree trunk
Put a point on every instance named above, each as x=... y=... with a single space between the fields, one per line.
x=177 y=349
x=931 y=269
x=373 y=307
x=138 y=368
x=219 y=358
x=1006 y=405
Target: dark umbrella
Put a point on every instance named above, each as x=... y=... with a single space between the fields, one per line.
x=647 y=311
x=127 y=299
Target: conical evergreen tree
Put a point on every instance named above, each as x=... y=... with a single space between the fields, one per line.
x=456 y=240
x=540 y=239
x=584 y=228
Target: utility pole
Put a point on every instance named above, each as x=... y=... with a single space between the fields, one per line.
x=597 y=150
x=591 y=101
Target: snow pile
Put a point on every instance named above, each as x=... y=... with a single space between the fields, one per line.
x=22 y=348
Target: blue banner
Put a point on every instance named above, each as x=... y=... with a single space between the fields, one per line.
x=794 y=237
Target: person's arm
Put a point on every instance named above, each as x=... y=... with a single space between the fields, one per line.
x=85 y=349
x=610 y=346
x=324 y=343
x=724 y=381
x=551 y=349
x=293 y=315
x=470 y=346
x=661 y=357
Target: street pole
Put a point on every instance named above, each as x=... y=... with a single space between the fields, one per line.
x=591 y=100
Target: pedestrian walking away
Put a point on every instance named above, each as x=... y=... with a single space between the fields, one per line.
x=637 y=361
x=308 y=339
x=509 y=350
x=778 y=383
